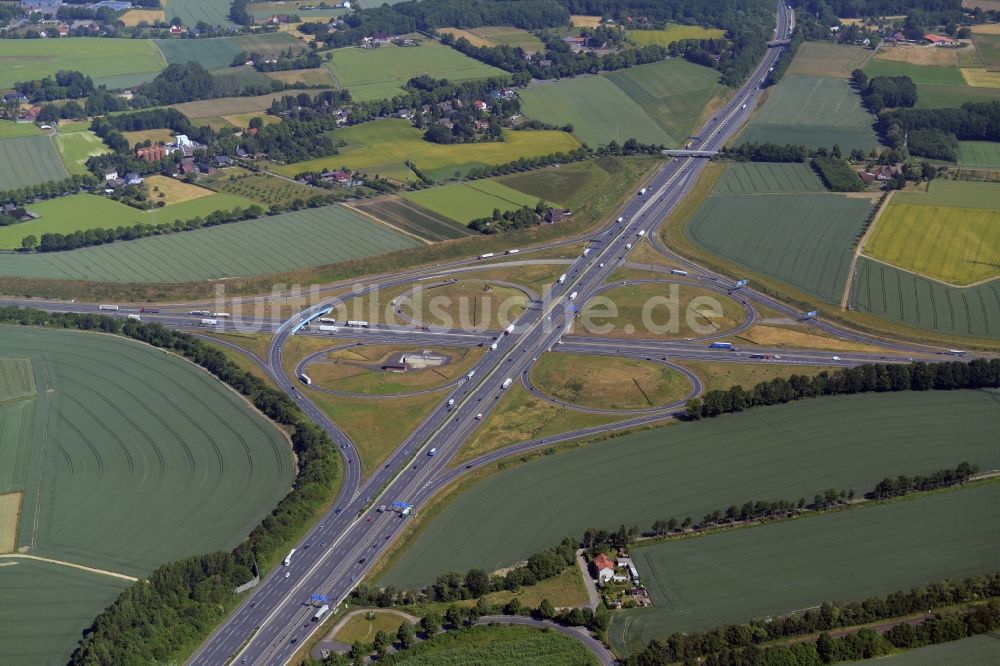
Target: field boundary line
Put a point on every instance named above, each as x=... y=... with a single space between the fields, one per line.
x=72 y=565
x=932 y=279
x=859 y=248
x=384 y=223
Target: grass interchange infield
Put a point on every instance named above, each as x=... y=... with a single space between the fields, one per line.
x=775 y=569
x=772 y=453
x=127 y=458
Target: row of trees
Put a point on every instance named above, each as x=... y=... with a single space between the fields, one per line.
x=180 y=602
x=868 y=378
x=837 y=174
x=49 y=190
x=903 y=485
x=732 y=641
x=56 y=242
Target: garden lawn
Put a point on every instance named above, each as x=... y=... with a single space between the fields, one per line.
x=780 y=568
x=468 y=201
x=382 y=147
x=313 y=237
x=381 y=73
x=28 y=59
x=812 y=111
x=782 y=452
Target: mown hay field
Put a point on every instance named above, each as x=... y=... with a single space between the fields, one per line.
x=804 y=239
x=28 y=59
x=905 y=297
x=813 y=111
x=464 y=202
x=313 y=237
x=827 y=59
x=767 y=178
x=29 y=160
x=779 y=568
x=382 y=147
x=956 y=245
x=673 y=33
x=381 y=73
x=783 y=452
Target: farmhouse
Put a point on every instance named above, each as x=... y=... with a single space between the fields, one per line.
x=555 y=215
x=938 y=40
x=603 y=568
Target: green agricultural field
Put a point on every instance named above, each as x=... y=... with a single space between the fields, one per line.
x=988 y=47
x=265 y=10
x=507 y=36
x=776 y=569
x=17 y=381
x=213 y=12
x=79 y=212
x=979 y=154
x=381 y=73
x=29 y=160
x=596 y=109
x=955 y=193
x=464 y=202
x=915 y=300
x=673 y=33
x=783 y=452
x=921 y=74
x=313 y=237
x=498 y=646
x=409 y=217
x=382 y=147
x=76 y=147
x=46 y=609
x=805 y=240
x=233 y=106
x=675 y=93
x=827 y=59
x=218 y=52
x=570 y=185
x=11 y=130
x=956 y=245
x=951 y=96
x=767 y=178
x=983 y=650
x=27 y=59
x=812 y=111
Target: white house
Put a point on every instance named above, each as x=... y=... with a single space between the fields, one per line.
x=604 y=568
x=111 y=175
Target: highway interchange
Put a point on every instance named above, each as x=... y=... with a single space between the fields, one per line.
x=273 y=621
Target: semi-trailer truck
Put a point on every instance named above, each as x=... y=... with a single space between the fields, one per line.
x=508 y=330
x=320 y=613
x=288 y=558
x=209 y=322
x=677 y=271
x=221 y=315
x=586 y=252
x=327 y=320
x=486 y=255
x=512 y=251
x=721 y=345
x=107 y=307
x=506 y=383
x=135 y=317
x=572 y=296
x=471 y=373
x=329 y=329
x=305 y=379
x=357 y=323
x=203 y=313
x=562 y=278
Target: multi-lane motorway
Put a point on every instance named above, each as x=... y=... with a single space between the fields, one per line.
x=273 y=621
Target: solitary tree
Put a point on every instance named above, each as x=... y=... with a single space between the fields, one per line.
x=405 y=635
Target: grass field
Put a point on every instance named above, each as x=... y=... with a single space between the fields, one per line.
x=10 y=129
x=464 y=202
x=828 y=59
x=381 y=73
x=28 y=59
x=10 y=512
x=313 y=237
x=570 y=185
x=982 y=650
x=767 y=178
x=567 y=590
x=981 y=77
x=134 y=17
x=955 y=193
x=951 y=96
x=776 y=569
x=723 y=376
x=17 y=381
x=174 y=191
x=218 y=52
x=358 y=369
x=76 y=147
x=361 y=628
x=771 y=453
x=979 y=154
x=407 y=216
x=231 y=106
x=957 y=245
x=29 y=160
x=259 y=187
x=67 y=214
x=596 y=109
x=46 y=608
x=382 y=147
x=657 y=312
x=599 y=382
x=468 y=303
x=491 y=36
x=673 y=33
x=988 y=47
x=803 y=239
x=900 y=296
x=212 y=12
x=265 y=10
x=921 y=74
x=158 y=135
x=497 y=646
x=813 y=111
x=925 y=56
x=320 y=76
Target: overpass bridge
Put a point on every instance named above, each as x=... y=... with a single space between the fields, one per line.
x=690 y=153
x=778 y=42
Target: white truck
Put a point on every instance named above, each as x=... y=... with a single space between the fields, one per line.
x=202 y=313
x=357 y=323
x=572 y=296
x=642 y=232
x=586 y=252
x=508 y=330
x=493 y=347
x=221 y=315
x=288 y=558
x=432 y=451
x=471 y=373
x=327 y=320
x=329 y=329
x=107 y=307
x=305 y=379
x=677 y=271
x=486 y=255
x=320 y=613
x=451 y=403
x=628 y=246
x=562 y=278
x=135 y=317
x=620 y=220
x=209 y=322
x=511 y=251
x=506 y=383
x=642 y=191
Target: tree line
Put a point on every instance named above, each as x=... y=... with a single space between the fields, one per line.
x=837 y=174
x=868 y=378
x=903 y=485
x=49 y=189
x=182 y=601
x=935 y=132
x=740 y=643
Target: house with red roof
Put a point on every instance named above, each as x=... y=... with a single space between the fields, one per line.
x=603 y=568
x=938 y=40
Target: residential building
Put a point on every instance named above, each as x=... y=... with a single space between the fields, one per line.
x=603 y=568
